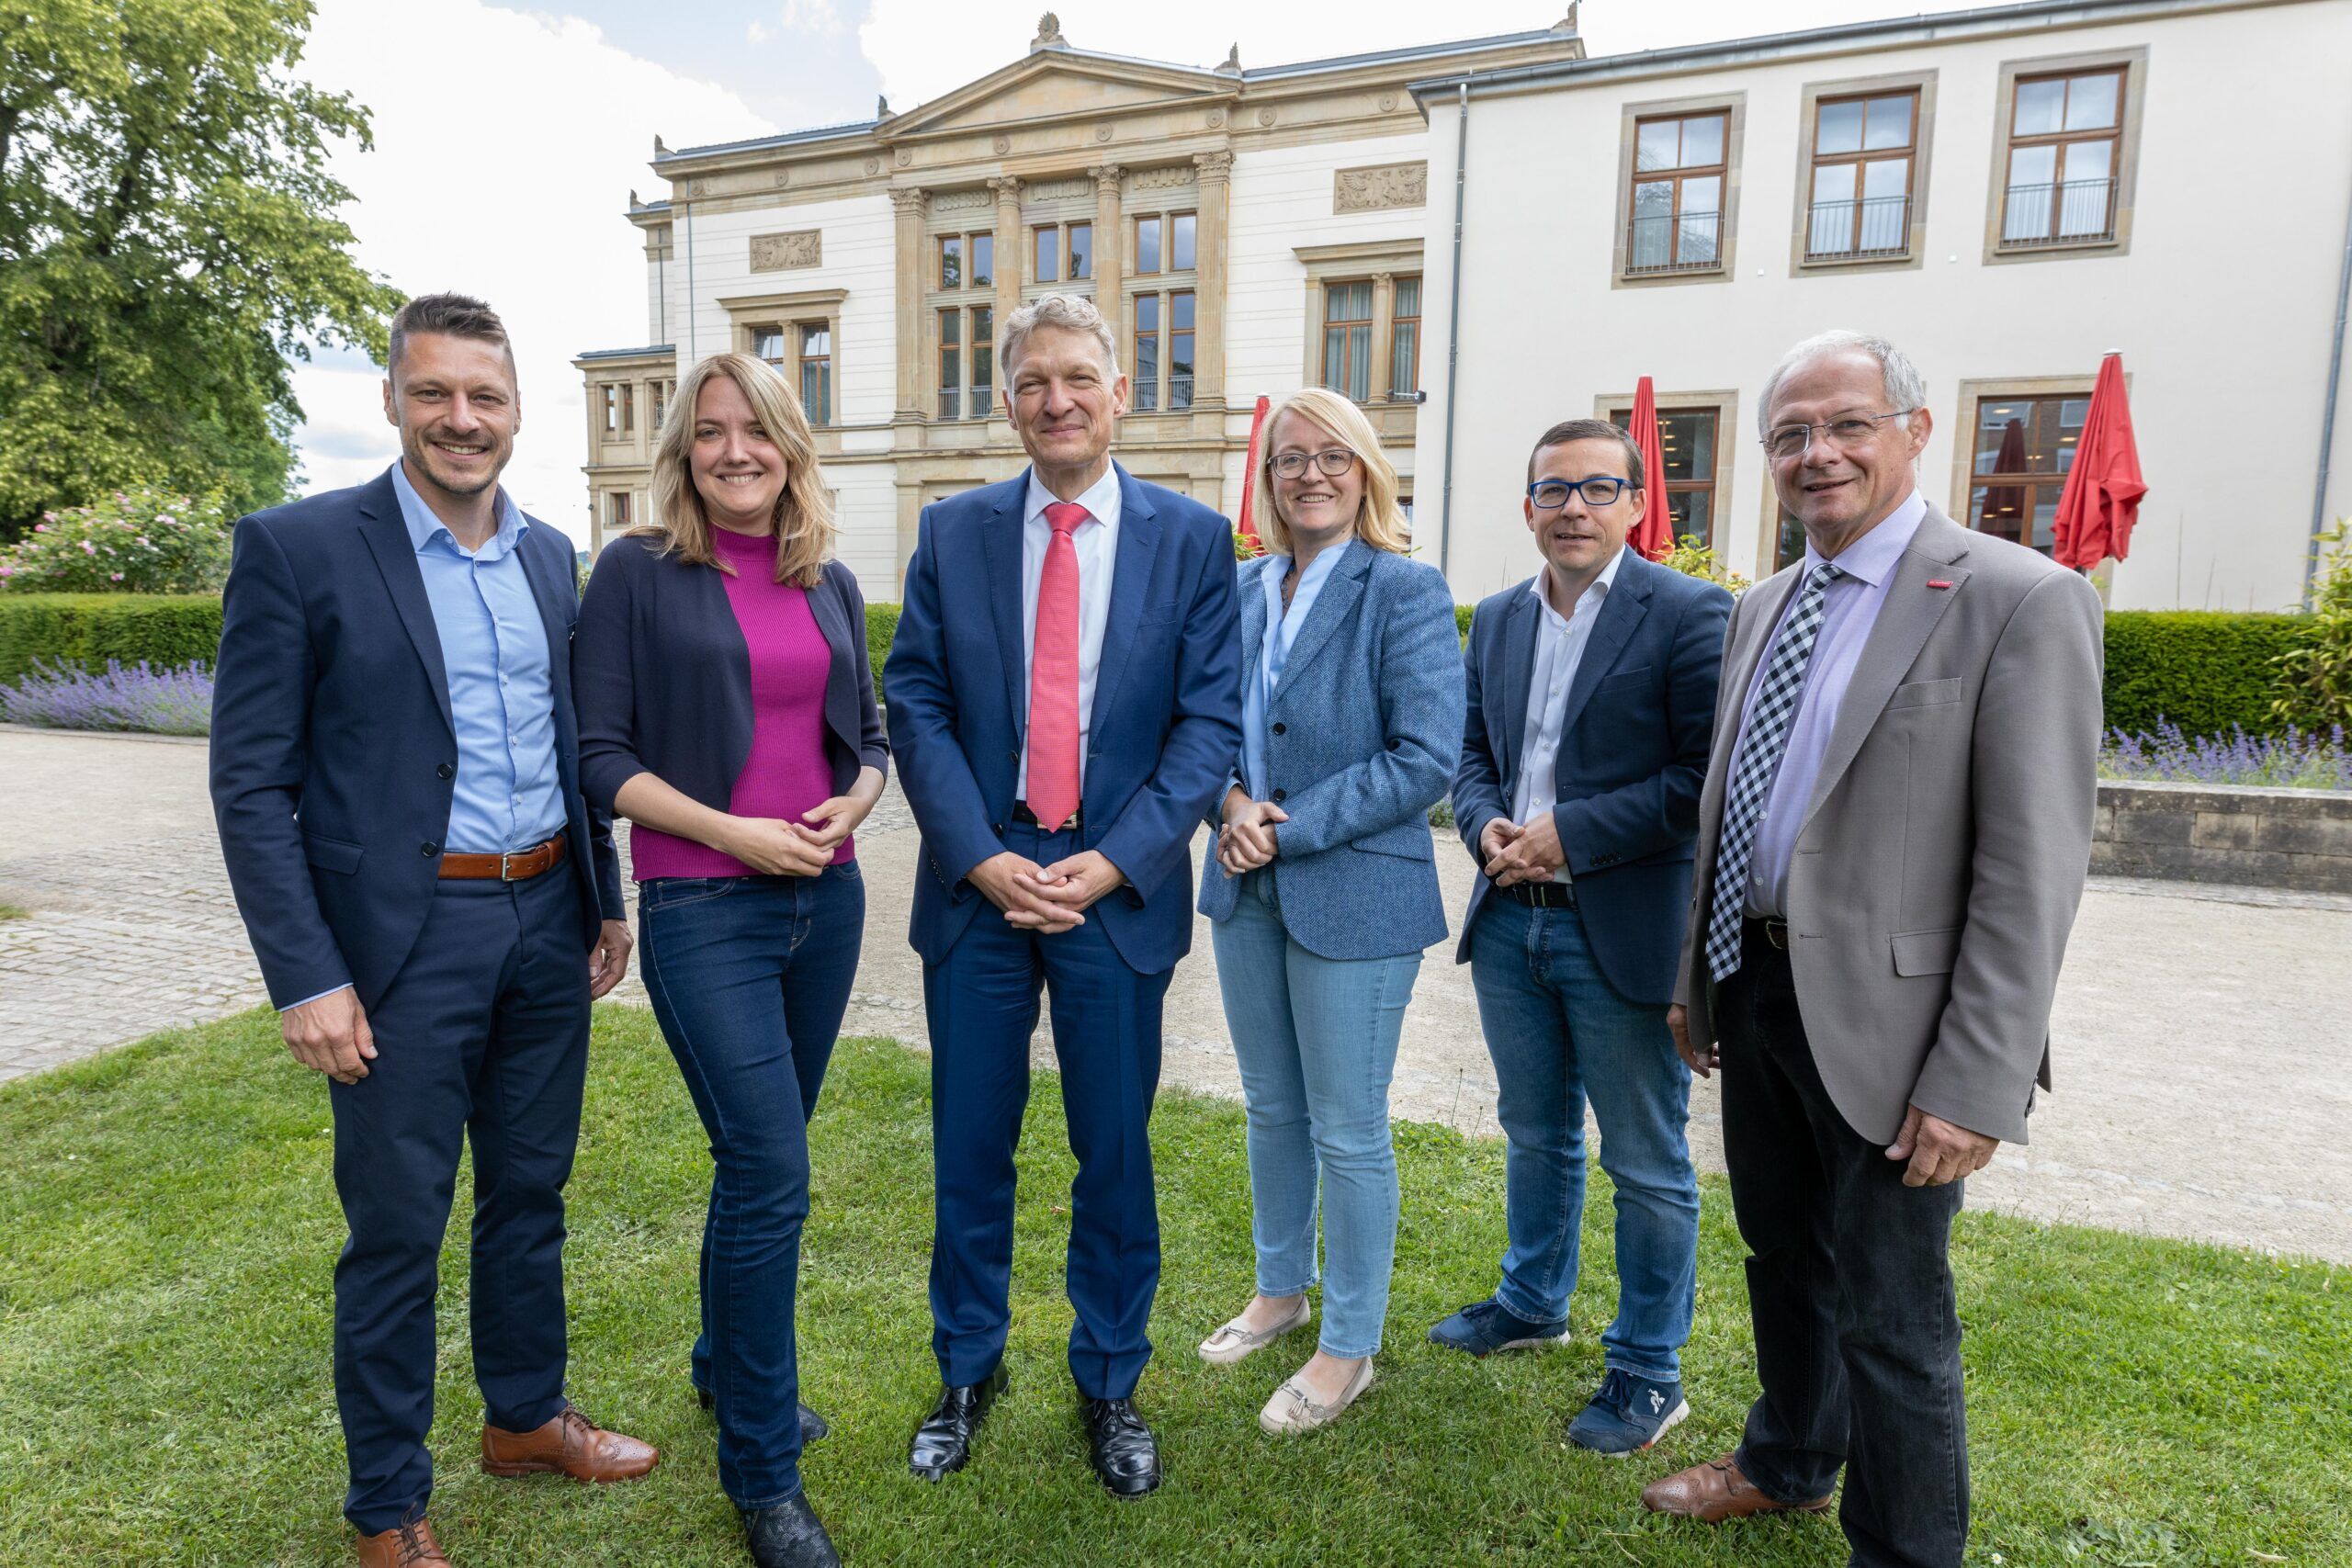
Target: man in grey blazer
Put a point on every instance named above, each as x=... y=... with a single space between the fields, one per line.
x=1892 y=844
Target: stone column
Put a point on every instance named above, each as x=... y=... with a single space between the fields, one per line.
x=1012 y=263
x=1384 y=301
x=1208 y=304
x=911 y=207
x=1111 y=252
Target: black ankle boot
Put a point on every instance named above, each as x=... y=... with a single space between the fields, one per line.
x=789 y=1535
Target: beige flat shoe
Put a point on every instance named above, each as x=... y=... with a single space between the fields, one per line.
x=1293 y=1410
x=1231 y=1342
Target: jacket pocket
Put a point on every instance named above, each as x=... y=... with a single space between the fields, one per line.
x=1926 y=694
x=1407 y=840
x=1926 y=953
x=1639 y=672
x=332 y=854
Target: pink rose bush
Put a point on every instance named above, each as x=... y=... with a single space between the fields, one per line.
x=136 y=541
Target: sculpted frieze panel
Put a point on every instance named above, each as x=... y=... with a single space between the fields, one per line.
x=788 y=252
x=1388 y=185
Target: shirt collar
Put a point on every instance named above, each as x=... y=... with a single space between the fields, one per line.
x=423 y=526
x=1874 y=556
x=1595 y=594
x=1101 y=499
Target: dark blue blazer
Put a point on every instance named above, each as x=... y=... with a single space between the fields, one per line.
x=1634 y=740
x=334 y=755
x=664 y=677
x=1163 y=735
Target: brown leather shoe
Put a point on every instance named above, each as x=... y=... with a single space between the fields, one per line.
x=405 y=1546
x=570 y=1445
x=1718 y=1491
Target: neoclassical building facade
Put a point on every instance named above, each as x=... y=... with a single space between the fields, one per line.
x=1248 y=230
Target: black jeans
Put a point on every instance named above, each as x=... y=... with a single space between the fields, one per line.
x=1849 y=1287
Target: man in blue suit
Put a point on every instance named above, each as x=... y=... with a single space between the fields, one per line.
x=395 y=775
x=1065 y=706
x=1591 y=691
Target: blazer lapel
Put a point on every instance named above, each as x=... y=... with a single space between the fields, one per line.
x=840 y=680
x=1136 y=561
x=1622 y=609
x=1517 y=650
x=387 y=534
x=1001 y=545
x=1904 y=621
x=1337 y=597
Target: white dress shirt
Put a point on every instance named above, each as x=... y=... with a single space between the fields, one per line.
x=1096 y=543
x=1849 y=608
x=1559 y=647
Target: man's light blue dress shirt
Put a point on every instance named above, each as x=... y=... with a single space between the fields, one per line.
x=1282 y=630
x=502 y=694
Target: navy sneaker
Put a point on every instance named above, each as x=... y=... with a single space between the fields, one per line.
x=1483 y=1327
x=1628 y=1415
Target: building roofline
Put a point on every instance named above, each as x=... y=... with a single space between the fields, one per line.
x=761 y=143
x=1926 y=28
x=1413 y=52
x=645 y=353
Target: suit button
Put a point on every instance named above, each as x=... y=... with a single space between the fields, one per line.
x=429 y=849
x=1278 y=796
x=1013 y=755
x=1279 y=728
x=445 y=771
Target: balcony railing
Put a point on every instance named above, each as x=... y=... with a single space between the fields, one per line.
x=2073 y=213
x=1661 y=242
x=1874 y=227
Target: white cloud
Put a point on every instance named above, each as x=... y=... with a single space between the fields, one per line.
x=823 y=17
x=758 y=31
x=505 y=146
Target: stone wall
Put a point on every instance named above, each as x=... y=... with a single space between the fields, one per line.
x=2298 y=839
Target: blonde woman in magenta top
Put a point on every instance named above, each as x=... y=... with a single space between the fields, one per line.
x=727 y=710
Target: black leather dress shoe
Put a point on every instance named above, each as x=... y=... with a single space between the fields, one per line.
x=944 y=1441
x=1124 y=1453
x=813 y=1426
x=789 y=1535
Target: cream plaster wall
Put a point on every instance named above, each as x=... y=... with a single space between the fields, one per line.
x=2222 y=308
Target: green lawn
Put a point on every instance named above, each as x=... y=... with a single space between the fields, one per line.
x=165 y=1393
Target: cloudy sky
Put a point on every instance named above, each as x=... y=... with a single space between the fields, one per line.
x=508 y=139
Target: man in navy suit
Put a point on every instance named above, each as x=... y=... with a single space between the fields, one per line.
x=1591 y=695
x=1065 y=706
x=395 y=775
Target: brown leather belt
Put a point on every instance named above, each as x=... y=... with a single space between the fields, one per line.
x=516 y=866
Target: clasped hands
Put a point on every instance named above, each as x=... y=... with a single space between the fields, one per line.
x=1047 y=898
x=775 y=847
x=1510 y=852
x=1245 y=838
x=1937 y=1151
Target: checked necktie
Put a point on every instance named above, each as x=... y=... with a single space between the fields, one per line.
x=1053 y=676
x=1760 y=764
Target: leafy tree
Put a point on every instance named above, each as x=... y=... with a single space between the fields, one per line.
x=167 y=237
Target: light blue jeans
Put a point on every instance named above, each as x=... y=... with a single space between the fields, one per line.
x=1561 y=1036
x=1315 y=1039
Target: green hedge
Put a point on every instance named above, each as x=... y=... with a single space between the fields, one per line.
x=88 y=629
x=881 y=626
x=2204 y=670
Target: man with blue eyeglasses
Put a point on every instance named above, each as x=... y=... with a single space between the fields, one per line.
x=1591 y=698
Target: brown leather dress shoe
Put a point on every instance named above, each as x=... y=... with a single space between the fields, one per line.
x=1718 y=1491
x=570 y=1445
x=404 y=1546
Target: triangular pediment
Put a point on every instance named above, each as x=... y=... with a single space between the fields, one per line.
x=1056 y=84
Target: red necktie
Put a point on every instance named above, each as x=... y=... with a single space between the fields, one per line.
x=1053 y=676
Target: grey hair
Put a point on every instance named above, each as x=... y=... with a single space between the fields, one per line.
x=1072 y=312
x=1906 y=387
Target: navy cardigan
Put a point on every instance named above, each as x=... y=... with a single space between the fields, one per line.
x=662 y=677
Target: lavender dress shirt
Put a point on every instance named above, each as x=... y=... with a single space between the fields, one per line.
x=1850 y=609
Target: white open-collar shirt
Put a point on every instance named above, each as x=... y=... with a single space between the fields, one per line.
x=1096 y=542
x=1559 y=649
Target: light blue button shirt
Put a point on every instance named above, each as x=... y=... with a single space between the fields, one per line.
x=501 y=693
x=1850 y=609
x=1282 y=630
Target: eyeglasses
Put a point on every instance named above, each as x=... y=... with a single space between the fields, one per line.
x=1334 y=461
x=1550 y=495
x=1846 y=432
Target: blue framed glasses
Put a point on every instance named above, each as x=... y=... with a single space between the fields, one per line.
x=1550 y=495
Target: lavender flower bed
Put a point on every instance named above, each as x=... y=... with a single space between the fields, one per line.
x=163 y=701
x=2296 y=760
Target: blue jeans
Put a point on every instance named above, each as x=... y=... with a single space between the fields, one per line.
x=750 y=976
x=1560 y=1035
x=1315 y=1039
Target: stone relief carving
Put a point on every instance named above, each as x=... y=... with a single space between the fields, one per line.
x=1164 y=179
x=1388 y=102
x=787 y=252
x=1102 y=133
x=956 y=200
x=1002 y=144
x=1389 y=185
x=874 y=166
x=1060 y=190
x=1265 y=117
x=1049 y=34
x=783 y=178
x=905 y=156
x=1217 y=120
x=697 y=187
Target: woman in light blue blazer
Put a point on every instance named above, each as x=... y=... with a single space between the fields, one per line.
x=1322 y=886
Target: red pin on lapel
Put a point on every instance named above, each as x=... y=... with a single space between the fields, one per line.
x=1937 y=582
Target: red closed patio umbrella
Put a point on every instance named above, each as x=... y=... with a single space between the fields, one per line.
x=2101 y=499
x=1654 y=536
x=1245 y=526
